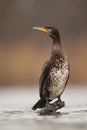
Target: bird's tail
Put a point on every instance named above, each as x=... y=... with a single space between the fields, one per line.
x=40 y=104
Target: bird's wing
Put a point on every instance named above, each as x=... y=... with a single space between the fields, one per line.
x=44 y=76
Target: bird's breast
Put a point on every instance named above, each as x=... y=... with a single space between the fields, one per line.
x=58 y=81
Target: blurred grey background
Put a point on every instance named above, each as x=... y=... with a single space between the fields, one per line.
x=23 y=50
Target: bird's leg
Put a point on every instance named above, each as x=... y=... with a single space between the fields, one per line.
x=52 y=107
x=59 y=103
x=48 y=107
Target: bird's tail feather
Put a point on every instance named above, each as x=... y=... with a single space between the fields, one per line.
x=40 y=104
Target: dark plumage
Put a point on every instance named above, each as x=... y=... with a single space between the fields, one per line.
x=55 y=73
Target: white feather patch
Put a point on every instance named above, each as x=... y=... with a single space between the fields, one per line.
x=58 y=78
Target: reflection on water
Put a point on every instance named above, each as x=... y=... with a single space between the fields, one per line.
x=16 y=113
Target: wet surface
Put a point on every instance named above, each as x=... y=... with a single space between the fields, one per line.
x=16 y=113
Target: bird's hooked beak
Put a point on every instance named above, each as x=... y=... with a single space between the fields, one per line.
x=43 y=29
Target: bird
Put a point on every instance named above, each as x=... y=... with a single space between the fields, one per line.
x=55 y=73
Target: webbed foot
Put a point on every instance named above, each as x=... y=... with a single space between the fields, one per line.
x=59 y=104
x=49 y=108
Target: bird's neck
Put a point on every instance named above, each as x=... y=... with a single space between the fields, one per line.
x=56 y=47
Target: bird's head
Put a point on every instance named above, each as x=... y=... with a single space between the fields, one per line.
x=51 y=31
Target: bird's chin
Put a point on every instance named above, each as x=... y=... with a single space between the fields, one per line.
x=50 y=36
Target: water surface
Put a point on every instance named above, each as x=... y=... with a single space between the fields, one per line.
x=16 y=113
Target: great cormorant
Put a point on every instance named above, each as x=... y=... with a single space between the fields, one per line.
x=55 y=73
